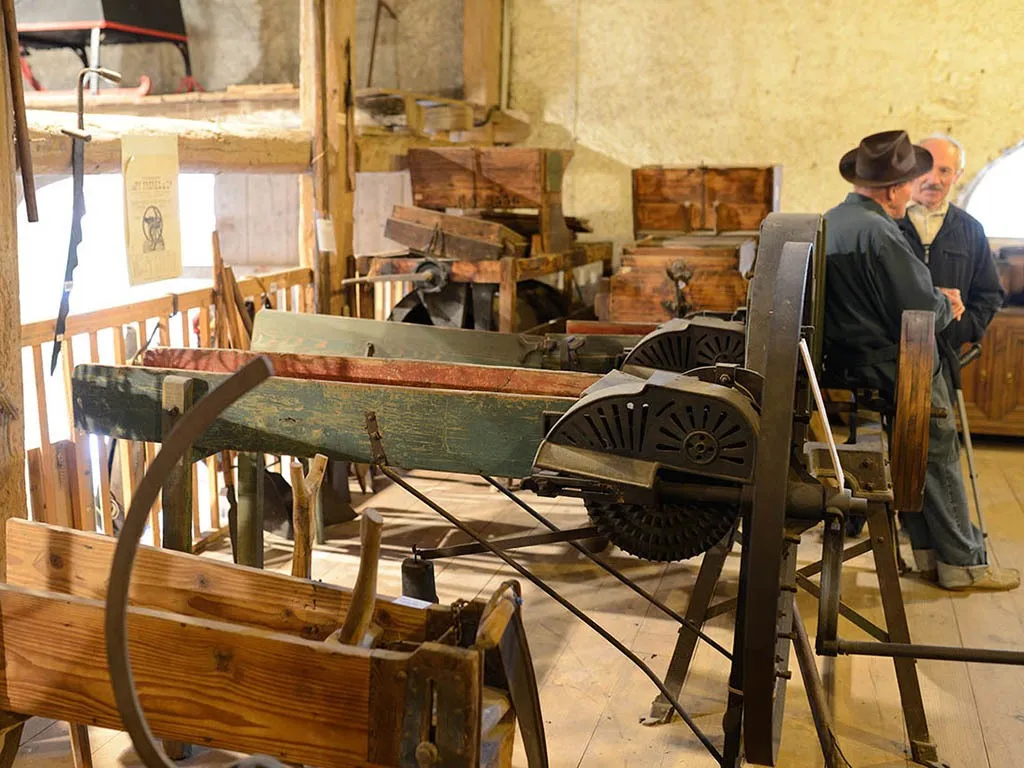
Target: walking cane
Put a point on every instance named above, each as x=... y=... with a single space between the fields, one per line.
x=967 y=358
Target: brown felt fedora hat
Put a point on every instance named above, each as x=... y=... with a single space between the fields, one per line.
x=883 y=159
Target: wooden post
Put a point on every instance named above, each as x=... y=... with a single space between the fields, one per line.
x=507 y=291
x=482 y=51
x=40 y=512
x=12 y=408
x=176 y=495
x=250 y=509
x=340 y=26
x=106 y=505
x=67 y=511
x=85 y=509
x=12 y=431
x=310 y=13
x=327 y=101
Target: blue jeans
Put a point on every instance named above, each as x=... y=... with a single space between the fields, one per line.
x=944 y=524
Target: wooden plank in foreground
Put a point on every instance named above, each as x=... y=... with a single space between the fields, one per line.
x=198 y=681
x=290 y=332
x=469 y=432
x=77 y=563
x=363 y=370
x=603 y=328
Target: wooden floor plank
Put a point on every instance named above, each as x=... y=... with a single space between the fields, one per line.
x=592 y=697
x=997 y=620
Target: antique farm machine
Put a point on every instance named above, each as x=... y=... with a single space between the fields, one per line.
x=484 y=268
x=703 y=436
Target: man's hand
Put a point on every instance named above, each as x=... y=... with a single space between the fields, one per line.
x=955 y=302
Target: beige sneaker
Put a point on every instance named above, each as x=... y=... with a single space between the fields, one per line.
x=986 y=577
x=926 y=564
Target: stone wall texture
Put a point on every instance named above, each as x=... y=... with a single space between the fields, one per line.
x=633 y=82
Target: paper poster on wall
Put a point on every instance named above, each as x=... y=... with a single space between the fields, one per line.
x=152 y=227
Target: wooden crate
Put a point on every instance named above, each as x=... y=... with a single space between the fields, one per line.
x=485 y=177
x=641 y=291
x=495 y=178
x=719 y=199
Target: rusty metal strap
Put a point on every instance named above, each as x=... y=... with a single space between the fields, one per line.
x=178 y=443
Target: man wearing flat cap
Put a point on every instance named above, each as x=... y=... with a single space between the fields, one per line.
x=872 y=277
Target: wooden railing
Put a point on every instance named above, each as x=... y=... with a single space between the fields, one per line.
x=69 y=479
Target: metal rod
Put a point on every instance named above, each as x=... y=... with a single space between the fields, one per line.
x=107 y=74
x=612 y=571
x=858 y=549
x=21 y=131
x=507 y=543
x=554 y=595
x=965 y=430
x=185 y=433
x=819 y=401
x=404 y=277
x=848 y=613
x=934 y=652
x=820 y=712
x=95 y=40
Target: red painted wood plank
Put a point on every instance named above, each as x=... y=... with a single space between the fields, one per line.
x=607 y=328
x=358 y=370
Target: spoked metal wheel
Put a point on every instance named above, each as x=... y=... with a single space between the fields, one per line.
x=775 y=329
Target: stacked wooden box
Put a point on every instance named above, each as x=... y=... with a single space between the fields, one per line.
x=702 y=221
x=642 y=291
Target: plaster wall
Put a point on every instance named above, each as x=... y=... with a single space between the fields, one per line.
x=633 y=82
x=257 y=41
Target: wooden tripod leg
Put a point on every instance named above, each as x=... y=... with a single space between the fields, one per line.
x=304 y=493
x=686 y=644
x=880 y=527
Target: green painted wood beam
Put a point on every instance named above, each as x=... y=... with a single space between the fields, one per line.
x=469 y=432
x=334 y=336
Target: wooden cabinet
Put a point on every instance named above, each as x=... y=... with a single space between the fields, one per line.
x=720 y=199
x=994 y=385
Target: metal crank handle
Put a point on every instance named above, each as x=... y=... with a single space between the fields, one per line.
x=404 y=277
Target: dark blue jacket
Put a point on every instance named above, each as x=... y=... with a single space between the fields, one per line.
x=871 y=277
x=959 y=257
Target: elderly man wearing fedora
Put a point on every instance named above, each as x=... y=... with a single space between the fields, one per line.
x=872 y=276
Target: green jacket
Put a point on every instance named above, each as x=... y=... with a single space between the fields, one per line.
x=871 y=277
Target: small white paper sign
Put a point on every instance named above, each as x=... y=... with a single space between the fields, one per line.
x=152 y=225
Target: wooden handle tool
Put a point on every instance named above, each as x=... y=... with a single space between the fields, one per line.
x=364 y=594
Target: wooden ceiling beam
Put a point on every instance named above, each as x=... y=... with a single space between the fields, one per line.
x=203 y=146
